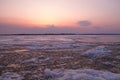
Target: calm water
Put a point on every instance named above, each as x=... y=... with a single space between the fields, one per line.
x=54 y=41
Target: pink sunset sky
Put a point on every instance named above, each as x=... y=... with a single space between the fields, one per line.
x=59 y=16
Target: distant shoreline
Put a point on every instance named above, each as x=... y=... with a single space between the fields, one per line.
x=55 y=34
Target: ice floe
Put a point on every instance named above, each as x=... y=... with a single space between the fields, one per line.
x=38 y=59
x=109 y=64
x=118 y=57
x=52 y=74
x=84 y=74
x=100 y=51
x=66 y=57
x=11 y=76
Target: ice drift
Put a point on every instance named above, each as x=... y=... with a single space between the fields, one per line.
x=85 y=74
x=11 y=76
x=98 y=52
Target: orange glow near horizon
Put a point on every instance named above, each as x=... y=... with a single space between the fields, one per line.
x=37 y=22
x=64 y=13
x=44 y=22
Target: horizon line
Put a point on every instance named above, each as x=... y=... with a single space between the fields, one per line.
x=64 y=34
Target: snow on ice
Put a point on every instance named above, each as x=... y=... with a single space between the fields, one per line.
x=85 y=74
x=100 y=51
x=38 y=59
x=11 y=76
x=66 y=58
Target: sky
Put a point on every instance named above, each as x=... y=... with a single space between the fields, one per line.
x=59 y=16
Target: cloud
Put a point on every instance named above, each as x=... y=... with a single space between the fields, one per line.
x=84 y=23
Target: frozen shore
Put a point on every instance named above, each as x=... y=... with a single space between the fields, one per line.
x=58 y=60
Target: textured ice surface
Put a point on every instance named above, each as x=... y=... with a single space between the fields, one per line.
x=53 y=74
x=85 y=74
x=66 y=57
x=49 y=73
x=52 y=41
x=109 y=64
x=38 y=59
x=10 y=76
x=100 y=51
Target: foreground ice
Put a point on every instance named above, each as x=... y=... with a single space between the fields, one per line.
x=66 y=58
x=38 y=59
x=100 y=51
x=11 y=76
x=85 y=74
